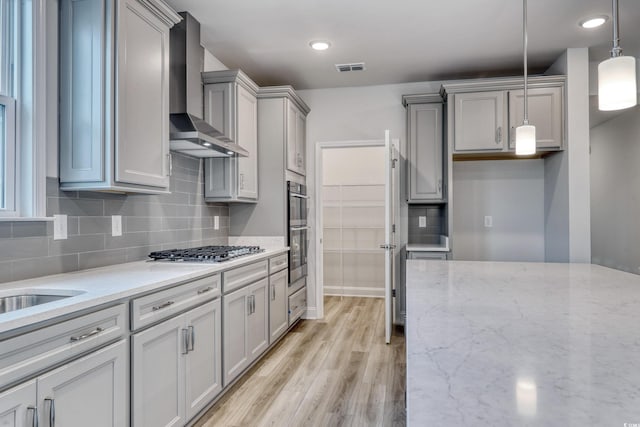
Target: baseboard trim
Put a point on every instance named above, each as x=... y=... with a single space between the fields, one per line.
x=352 y=291
x=311 y=313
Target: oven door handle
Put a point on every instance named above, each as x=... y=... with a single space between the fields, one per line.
x=299 y=228
x=299 y=196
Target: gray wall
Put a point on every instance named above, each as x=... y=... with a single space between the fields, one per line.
x=149 y=222
x=512 y=192
x=615 y=192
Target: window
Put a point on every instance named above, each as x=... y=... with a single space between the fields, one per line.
x=7 y=104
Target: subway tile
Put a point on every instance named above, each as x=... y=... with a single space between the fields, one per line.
x=75 y=207
x=94 y=225
x=29 y=229
x=127 y=240
x=6 y=229
x=26 y=247
x=77 y=244
x=101 y=258
x=44 y=266
x=176 y=223
x=6 y=270
x=140 y=252
x=134 y=223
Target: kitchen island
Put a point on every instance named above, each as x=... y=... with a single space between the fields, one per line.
x=491 y=343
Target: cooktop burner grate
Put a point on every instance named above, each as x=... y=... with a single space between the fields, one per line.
x=205 y=253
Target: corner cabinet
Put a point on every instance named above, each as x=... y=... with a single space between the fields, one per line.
x=231 y=106
x=114 y=95
x=425 y=167
x=484 y=114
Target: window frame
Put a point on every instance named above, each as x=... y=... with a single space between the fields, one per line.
x=9 y=167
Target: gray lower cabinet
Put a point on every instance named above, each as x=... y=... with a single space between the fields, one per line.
x=425 y=160
x=90 y=391
x=246 y=333
x=114 y=95
x=176 y=367
x=278 y=319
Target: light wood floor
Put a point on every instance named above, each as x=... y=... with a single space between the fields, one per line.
x=332 y=372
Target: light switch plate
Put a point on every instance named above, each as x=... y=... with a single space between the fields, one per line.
x=116 y=225
x=216 y=222
x=422 y=222
x=488 y=221
x=59 y=227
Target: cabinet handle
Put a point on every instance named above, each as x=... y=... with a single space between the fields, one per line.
x=192 y=339
x=205 y=290
x=96 y=331
x=273 y=292
x=499 y=135
x=242 y=181
x=52 y=411
x=513 y=134
x=249 y=304
x=34 y=420
x=440 y=186
x=170 y=162
x=185 y=341
x=161 y=306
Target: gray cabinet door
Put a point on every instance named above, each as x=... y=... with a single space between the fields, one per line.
x=91 y=391
x=545 y=113
x=18 y=406
x=220 y=179
x=258 y=332
x=235 y=346
x=480 y=121
x=301 y=141
x=278 y=318
x=204 y=360
x=219 y=108
x=142 y=100
x=247 y=131
x=425 y=152
x=157 y=375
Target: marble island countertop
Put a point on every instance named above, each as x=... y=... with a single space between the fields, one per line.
x=514 y=344
x=98 y=286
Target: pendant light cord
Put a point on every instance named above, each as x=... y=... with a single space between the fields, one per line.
x=525 y=46
x=617 y=50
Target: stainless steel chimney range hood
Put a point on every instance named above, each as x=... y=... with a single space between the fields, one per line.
x=189 y=133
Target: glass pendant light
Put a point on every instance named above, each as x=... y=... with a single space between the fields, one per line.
x=525 y=133
x=617 y=75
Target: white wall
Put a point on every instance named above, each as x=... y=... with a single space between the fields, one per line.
x=353 y=166
x=512 y=193
x=615 y=192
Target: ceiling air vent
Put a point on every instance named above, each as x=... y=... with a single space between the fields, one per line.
x=356 y=66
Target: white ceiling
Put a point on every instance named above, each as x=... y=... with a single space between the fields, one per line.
x=400 y=41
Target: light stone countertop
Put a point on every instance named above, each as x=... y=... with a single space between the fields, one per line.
x=522 y=344
x=109 y=284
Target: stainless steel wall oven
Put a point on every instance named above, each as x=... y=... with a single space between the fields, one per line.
x=297 y=234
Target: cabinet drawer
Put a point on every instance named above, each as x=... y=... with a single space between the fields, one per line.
x=35 y=351
x=241 y=276
x=161 y=305
x=278 y=263
x=427 y=255
x=297 y=305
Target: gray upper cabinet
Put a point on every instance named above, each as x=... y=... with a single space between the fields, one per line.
x=480 y=121
x=231 y=106
x=296 y=139
x=483 y=114
x=425 y=160
x=114 y=95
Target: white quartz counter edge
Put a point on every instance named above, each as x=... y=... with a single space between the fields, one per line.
x=416 y=247
x=103 y=285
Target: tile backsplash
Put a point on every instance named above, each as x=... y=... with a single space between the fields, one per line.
x=149 y=222
x=436 y=223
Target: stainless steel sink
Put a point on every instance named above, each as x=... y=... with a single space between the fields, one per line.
x=25 y=298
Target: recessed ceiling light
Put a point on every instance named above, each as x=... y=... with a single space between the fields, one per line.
x=594 y=22
x=320 y=45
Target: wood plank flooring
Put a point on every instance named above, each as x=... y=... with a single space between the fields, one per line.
x=331 y=372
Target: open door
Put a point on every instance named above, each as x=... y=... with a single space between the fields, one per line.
x=389 y=228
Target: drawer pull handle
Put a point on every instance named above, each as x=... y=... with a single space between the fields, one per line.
x=161 y=306
x=52 y=411
x=205 y=290
x=96 y=331
x=192 y=339
x=34 y=420
x=185 y=341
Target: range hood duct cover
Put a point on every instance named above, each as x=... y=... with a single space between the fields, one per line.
x=189 y=133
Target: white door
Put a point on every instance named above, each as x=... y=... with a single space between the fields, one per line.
x=204 y=360
x=157 y=371
x=389 y=233
x=18 y=406
x=91 y=391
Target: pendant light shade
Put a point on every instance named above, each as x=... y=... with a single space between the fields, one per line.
x=617 y=83
x=617 y=87
x=525 y=133
x=525 y=140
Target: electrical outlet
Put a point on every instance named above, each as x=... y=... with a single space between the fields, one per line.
x=488 y=221
x=116 y=225
x=422 y=222
x=216 y=222
x=59 y=227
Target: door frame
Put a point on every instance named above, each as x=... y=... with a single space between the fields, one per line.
x=319 y=220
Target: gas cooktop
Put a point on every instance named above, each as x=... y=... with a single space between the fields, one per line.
x=205 y=253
